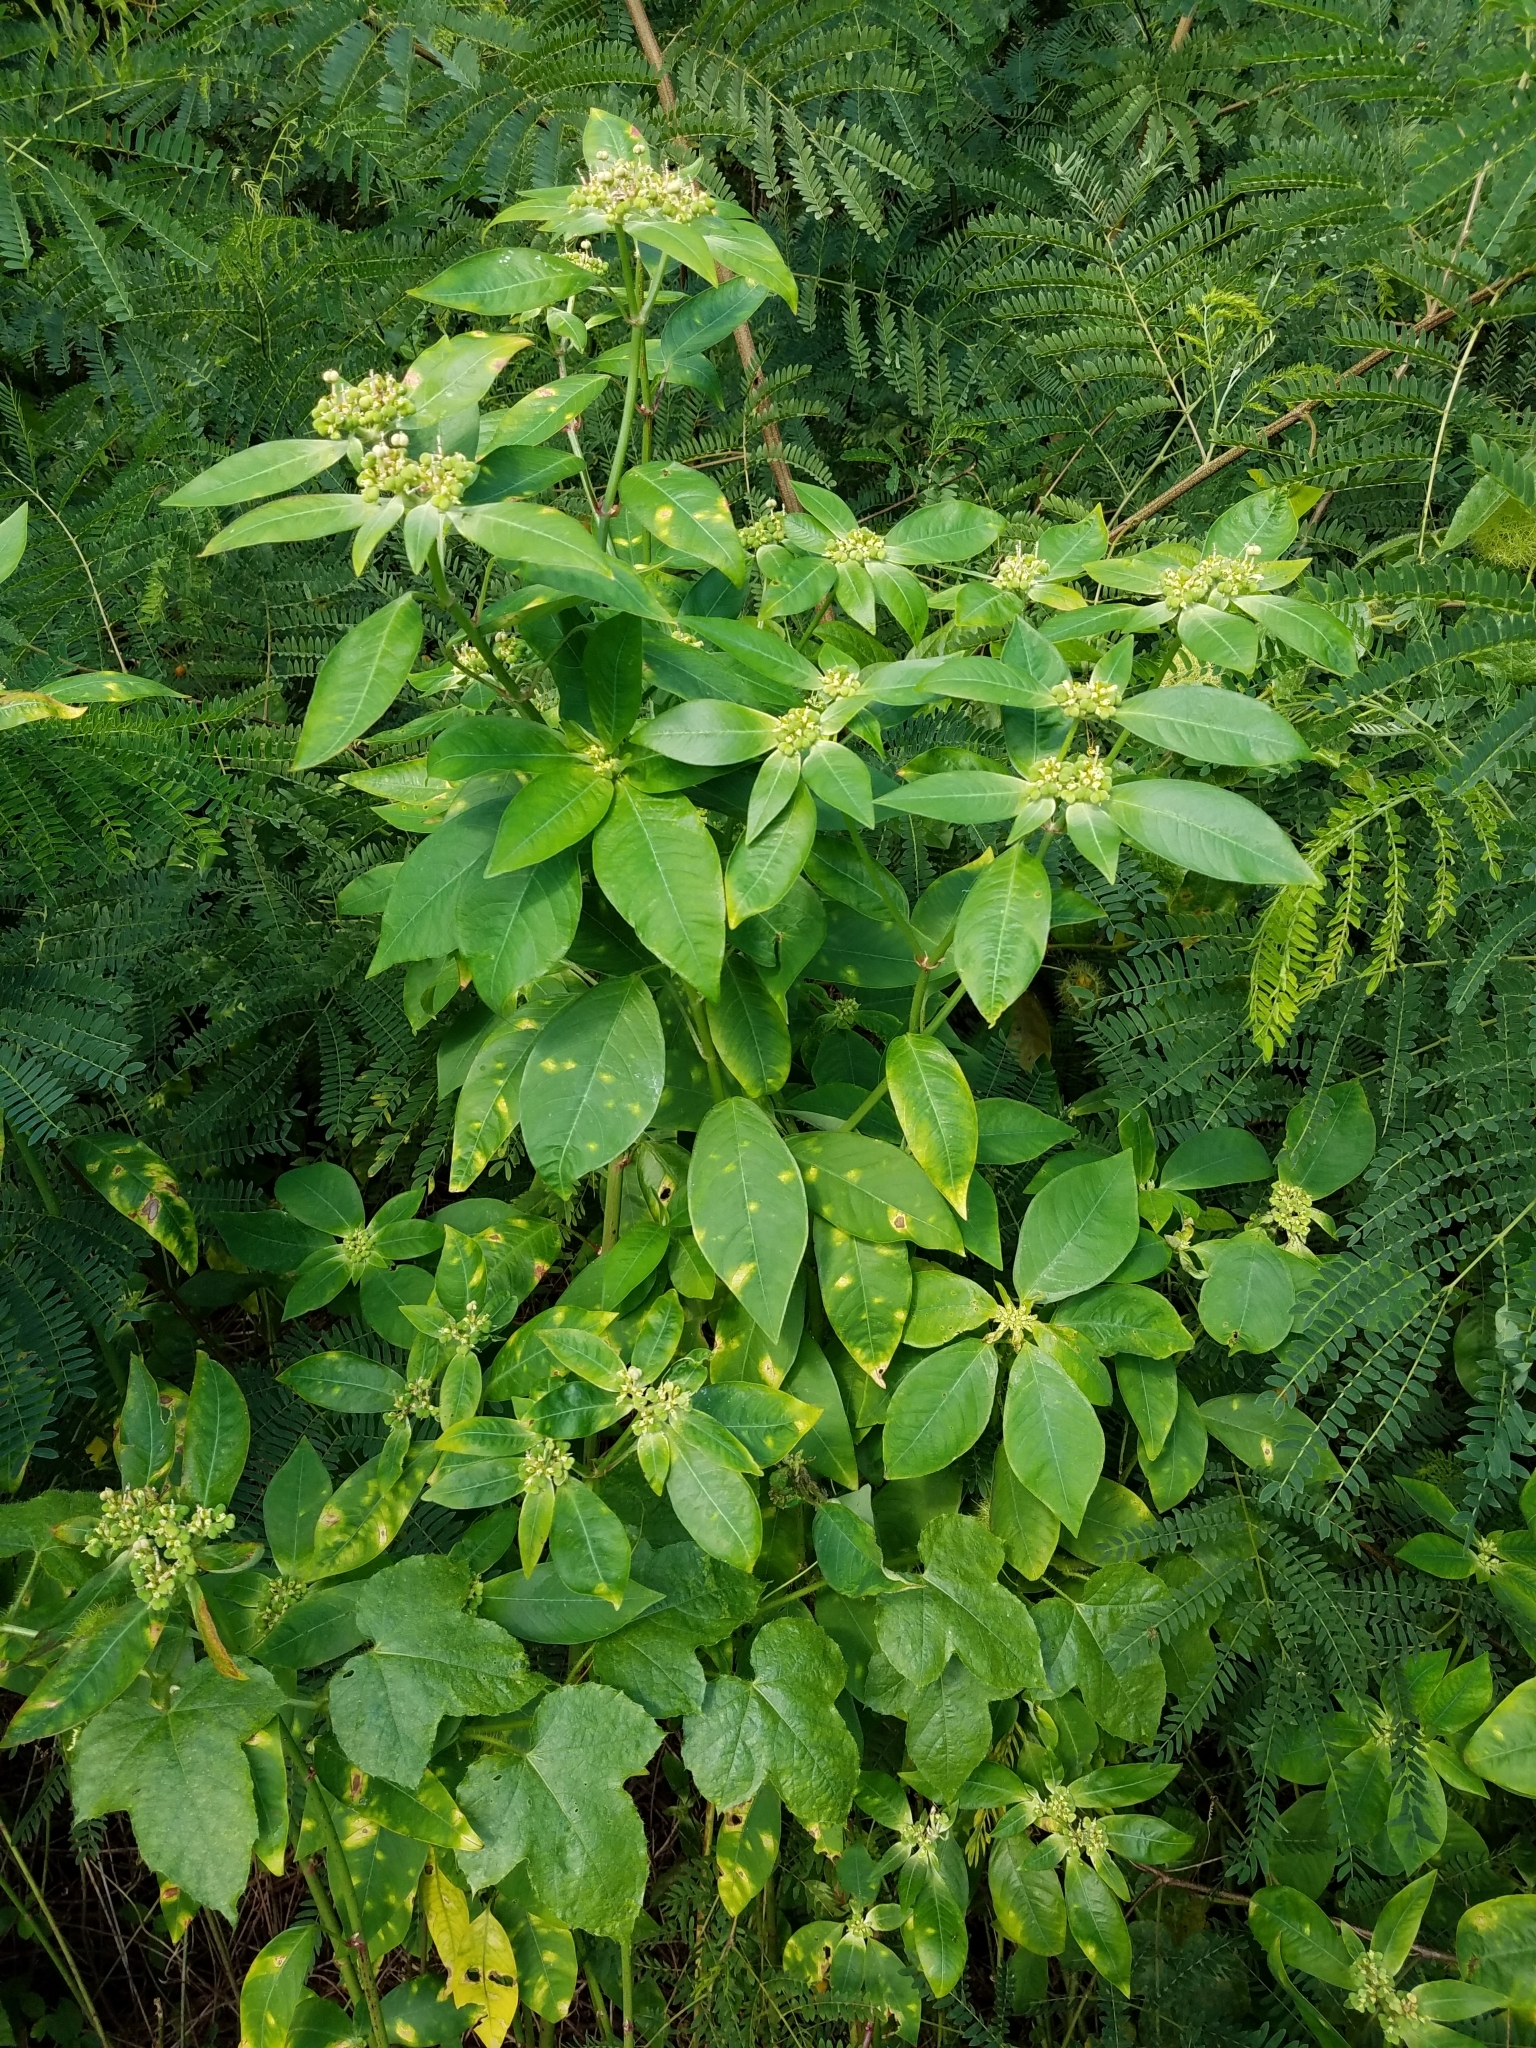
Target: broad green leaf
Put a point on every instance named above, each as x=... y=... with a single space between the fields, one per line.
x=216 y=1436
x=1079 y=1228
x=1052 y=1436
x=943 y=1305
x=711 y=732
x=827 y=1447
x=139 y=1185
x=750 y=1030
x=1270 y=1437
x=543 y=1609
x=933 y=1101
x=295 y=1494
x=429 y=1658
x=714 y=1504
x=1101 y=1637
x=747 y=1205
x=593 y=1081
x=747 y=1846
x=324 y=1196
x=1010 y=1133
x=313 y=517
x=182 y=1775
x=1215 y=1159
x=1002 y=930
x=258 y=472
x=1496 y=1944
x=385 y=1869
x=686 y=512
x=1265 y=520
x=1027 y=1896
x=1149 y=1387
x=561 y=549
x=587 y=1544
x=1503 y=1749
x=1212 y=831
x=781 y=1728
x=421 y=918
x=1117 y=1525
x=367 y=1511
x=951 y=532
x=748 y=252
x=359 y=679
x=1222 y=638
x=110 y=1649
x=560 y=1809
x=557 y=809
x=1308 y=628
x=657 y=864
x=1213 y=725
x=848 y=1551
x=485 y=1114
x=838 y=776
x=949 y=1732
x=540 y=413
x=1329 y=1140
x=274 y=1985
x=543 y=1948
x=1118 y=1317
x=961 y=796
x=1097 y=1924
x=935 y=1889
x=1250 y=1298
x=13 y=539
x=106 y=686
x=1025 y=1526
x=873 y=1191
x=960 y=1610
x=611 y=669
x=456 y=372
x=865 y=1289
x=1174 y=1472
x=504 y=283
x=941 y=1407
x=761 y=871
x=707 y=317
x=344 y=1382
x=1307 y=1937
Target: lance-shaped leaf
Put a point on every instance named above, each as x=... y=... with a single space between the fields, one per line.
x=359 y=679
x=561 y=1810
x=216 y=1436
x=937 y=1111
x=939 y=1410
x=747 y=1204
x=1211 y=831
x=686 y=512
x=429 y=1658
x=1052 y=1436
x=140 y=1186
x=1078 y=1229
x=1002 y=931
x=656 y=863
x=1213 y=725
x=259 y=472
x=593 y=1081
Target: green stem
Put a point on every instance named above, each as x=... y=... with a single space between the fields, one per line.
x=29 y=1159
x=919 y=997
x=882 y=1087
x=341 y=1877
x=627 y=1975
x=599 y=2003
x=700 y=1021
x=636 y=318
x=613 y=1195
x=64 y=1962
x=325 y=1913
x=469 y=627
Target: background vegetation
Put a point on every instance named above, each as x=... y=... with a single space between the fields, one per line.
x=1128 y=257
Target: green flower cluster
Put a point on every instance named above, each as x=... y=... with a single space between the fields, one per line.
x=432 y=478
x=1216 y=576
x=859 y=544
x=616 y=190
x=158 y=1535
x=1019 y=572
x=1079 y=779
x=376 y=404
x=1086 y=698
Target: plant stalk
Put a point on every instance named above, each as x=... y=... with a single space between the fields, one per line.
x=69 y=1969
x=341 y=1877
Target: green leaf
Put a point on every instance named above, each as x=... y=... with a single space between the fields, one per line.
x=13 y=539
x=295 y=1494
x=543 y=1609
x=827 y=1447
x=1052 y=1436
x=108 y=1652
x=140 y=1186
x=951 y=532
x=324 y=1196
x=421 y=918
x=1174 y=1472
x=656 y=863
x=837 y=775
x=1215 y=1159
x=1212 y=831
x=749 y=252
x=761 y=871
x=686 y=512
x=456 y=372
x=367 y=1511
x=935 y=1889
x=848 y=1551
x=1011 y=1133
x=1250 y=1298
x=1330 y=1139
x=949 y=1732
x=865 y=1289
x=428 y=1659
x=258 y=472
x=485 y=1114
x=1150 y=1390
x=1025 y=1526
x=747 y=1204
x=1102 y=1638
x=1002 y=931
x=1224 y=639
x=937 y=1112
x=513 y=928
x=708 y=317
x=1503 y=1749
x=182 y=1775
x=344 y=1383
x=593 y=1081
x=944 y=1304
x=561 y=549
x=1307 y=1937
x=1078 y=1229
x=504 y=283
x=1097 y=1924
x=1496 y=1944
x=1126 y=1318
x=1213 y=725
x=962 y=796
x=747 y=1846
x=711 y=732
x=1308 y=628
x=216 y=1436
x=274 y=1985
x=560 y=1809
x=960 y=1610
x=557 y=809
x=359 y=679
x=1270 y=1437
x=587 y=1544
x=782 y=1728
x=1027 y=1896
x=714 y=1504
x=873 y=1191
x=939 y=1410
x=314 y=517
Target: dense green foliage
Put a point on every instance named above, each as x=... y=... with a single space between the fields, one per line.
x=769 y=1088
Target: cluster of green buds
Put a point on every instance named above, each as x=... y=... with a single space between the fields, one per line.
x=683 y=637
x=798 y=730
x=1019 y=572
x=1375 y=1993
x=766 y=530
x=359 y=1251
x=630 y=185
x=835 y=685
x=926 y=1829
x=471 y=666
x=1055 y=1812
x=1086 y=698
x=1071 y=779
x=546 y=1462
x=600 y=759
x=858 y=544
x=431 y=478
x=843 y=1013
x=158 y=1535
x=657 y=1408
x=1291 y=1212
x=417 y=1402
x=281 y=1595
x=1014 y=1323
x=375 y=405
x=470 y=1330
x=585 y=259
x=1216 y=576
